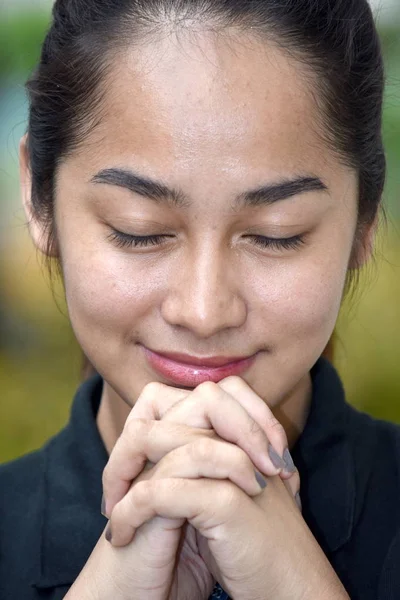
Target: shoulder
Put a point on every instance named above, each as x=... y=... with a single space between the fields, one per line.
x=375 y=449
x=19 y=477
x=21 y=493
x=372 y=553
x=21 y=501
x=388 y=440
x=375 y=439
x=22 y=464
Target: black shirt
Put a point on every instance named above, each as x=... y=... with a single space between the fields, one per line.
x=50 y=517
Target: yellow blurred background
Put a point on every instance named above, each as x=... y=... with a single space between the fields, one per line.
x=40 y=361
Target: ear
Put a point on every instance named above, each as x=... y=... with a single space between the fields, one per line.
x=366 y=241
x=37 y=229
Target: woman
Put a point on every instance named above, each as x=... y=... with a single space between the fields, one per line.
x=208 y=176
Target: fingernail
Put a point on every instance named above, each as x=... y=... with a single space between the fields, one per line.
x=298 y=500
x=108 y=534
x=289 y=464
x=276 y=460
x=260 y=479
x=103 y=506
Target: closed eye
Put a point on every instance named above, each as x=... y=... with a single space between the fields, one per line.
x=292 y=243
x=126 y=240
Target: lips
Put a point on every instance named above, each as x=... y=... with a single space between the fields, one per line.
x=214 y=361
x=190 y=371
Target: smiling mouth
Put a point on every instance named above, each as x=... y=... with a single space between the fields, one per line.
x=185 y=374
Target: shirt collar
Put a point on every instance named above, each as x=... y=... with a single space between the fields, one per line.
x=69 y=514
x=71 y=521
x=324 y=457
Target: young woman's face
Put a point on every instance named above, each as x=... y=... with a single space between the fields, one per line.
x=212 y=119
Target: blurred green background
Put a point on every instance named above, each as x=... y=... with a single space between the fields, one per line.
x=39 y=359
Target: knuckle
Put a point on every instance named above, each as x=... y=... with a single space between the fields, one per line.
x=139 y=496
x=149 y=491
x=142 y=492
x=276 y=426
x=255 y=428
x=135 y=428
x=208 y=388
x=162 y=489
x=233 y=383
x=151 y=390
x=244 y=463
x=120 y=512
x=172 y=485
x=202 y=449
x=229 y=496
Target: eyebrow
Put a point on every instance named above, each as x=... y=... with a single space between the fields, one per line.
x=161 y=193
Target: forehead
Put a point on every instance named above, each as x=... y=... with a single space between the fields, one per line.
x=203 y=102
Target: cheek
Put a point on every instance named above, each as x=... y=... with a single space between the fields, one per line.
x=316 y=305
x=301 y=300
x=107 y=294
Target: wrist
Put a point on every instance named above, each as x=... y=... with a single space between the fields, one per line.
x=311 y=575
x=323 y=583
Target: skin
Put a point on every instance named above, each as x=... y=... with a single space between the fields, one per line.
x=213 y=116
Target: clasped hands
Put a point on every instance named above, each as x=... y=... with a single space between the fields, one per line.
x=182 y=483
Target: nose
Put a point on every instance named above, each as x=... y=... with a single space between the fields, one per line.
x=204 y=295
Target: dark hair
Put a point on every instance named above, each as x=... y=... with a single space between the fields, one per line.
x=336 y=40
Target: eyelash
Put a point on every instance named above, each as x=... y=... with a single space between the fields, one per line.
x=125 y=240
x=292 y=243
